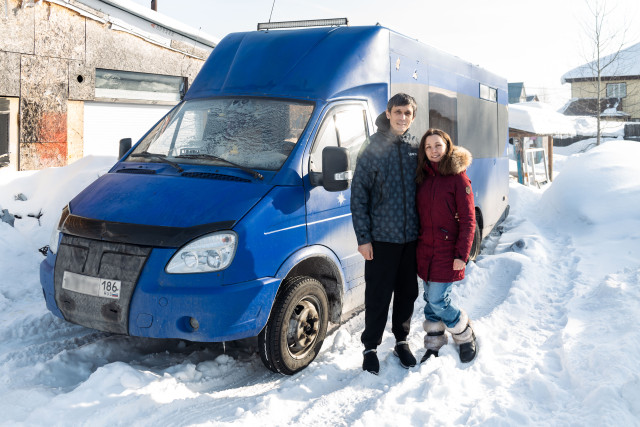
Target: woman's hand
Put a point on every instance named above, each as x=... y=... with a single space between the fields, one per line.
x=459 y=264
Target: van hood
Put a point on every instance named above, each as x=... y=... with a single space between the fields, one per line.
x=173 y=202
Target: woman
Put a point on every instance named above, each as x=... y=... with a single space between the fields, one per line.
x=447 y=224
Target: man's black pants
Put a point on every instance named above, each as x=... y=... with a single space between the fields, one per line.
x=391 y=272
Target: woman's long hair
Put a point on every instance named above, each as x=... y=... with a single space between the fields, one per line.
x=423 y=160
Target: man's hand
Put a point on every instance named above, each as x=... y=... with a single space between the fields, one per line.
x=366 y=251
x=458 y=264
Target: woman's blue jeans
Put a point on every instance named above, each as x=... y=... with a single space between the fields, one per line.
x=438 y=305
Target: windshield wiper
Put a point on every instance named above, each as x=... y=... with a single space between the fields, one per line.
x=147 y=155
x=254 y=173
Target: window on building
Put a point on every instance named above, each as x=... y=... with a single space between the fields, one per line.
x=4 y=132
x=4 y=139
x=127 y=85
x=616 y=90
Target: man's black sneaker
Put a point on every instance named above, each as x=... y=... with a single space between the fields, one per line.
x=370 y=362
x=404 y=354
x=428 y=354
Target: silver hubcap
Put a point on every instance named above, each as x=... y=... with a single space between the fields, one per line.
x=303 y=327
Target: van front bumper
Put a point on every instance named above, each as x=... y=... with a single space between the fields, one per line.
x=152 y=303
x=220 y=313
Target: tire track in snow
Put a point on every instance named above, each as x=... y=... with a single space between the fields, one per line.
x=542 y=266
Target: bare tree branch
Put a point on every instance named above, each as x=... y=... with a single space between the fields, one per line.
x=604 y=37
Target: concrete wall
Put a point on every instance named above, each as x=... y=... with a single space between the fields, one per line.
x=48 y=57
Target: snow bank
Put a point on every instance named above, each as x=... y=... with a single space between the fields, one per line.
x=47 y=192
x=599 y=186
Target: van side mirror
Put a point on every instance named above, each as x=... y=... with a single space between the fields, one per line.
x=336 y=170
x=125 y=145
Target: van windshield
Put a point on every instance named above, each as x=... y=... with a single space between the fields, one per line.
x=254 y=133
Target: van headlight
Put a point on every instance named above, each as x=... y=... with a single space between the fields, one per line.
x=54 y=240
x=213 y=252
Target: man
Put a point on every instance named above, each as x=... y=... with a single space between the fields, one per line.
x=386 y=225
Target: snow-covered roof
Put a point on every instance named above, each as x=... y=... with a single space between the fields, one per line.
x=540 y=119
x=163 y=20
x=626 y=64
x=128 y=16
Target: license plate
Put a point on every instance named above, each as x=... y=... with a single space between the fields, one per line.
x=94 y=286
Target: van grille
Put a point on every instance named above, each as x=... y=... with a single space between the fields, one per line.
x=106 y=260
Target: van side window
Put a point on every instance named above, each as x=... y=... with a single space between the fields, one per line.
x=344 y=126
x=327 y=137
x=443 y=111
x=352 y=131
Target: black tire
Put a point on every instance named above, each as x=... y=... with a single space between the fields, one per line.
x=297 y=326
x=477 y=243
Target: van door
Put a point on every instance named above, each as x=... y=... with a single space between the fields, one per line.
x=328 y=213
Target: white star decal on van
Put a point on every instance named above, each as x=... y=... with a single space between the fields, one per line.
x=341 y=198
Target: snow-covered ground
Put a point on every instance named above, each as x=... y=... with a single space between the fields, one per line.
x=553 y=296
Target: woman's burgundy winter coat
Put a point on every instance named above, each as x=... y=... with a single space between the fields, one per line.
x=443 y=237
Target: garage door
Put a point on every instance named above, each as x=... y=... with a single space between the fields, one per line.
x=105 y=124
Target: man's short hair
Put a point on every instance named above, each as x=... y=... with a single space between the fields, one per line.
x=400 y=100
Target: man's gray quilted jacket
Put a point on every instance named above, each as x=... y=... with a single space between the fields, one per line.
x=383 y=189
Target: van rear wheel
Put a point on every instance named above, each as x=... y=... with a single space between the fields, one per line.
x=296 y=328
x=477 y=243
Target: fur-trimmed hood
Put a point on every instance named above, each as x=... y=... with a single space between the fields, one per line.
x=457 y=162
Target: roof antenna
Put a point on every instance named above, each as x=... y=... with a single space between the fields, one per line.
x=272 y=6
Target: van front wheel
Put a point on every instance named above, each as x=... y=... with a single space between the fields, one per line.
x=296 y=328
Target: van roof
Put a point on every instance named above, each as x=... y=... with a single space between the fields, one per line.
x=315 y=63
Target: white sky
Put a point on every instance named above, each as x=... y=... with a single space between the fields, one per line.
x=531 y=41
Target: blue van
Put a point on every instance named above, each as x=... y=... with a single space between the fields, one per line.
x=230 y=218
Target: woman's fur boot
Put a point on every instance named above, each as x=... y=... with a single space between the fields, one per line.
x=463 y=335
x=434 y=339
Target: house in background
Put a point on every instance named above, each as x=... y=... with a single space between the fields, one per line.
x=619 y=91
x=76 y=76
x=518 y=94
